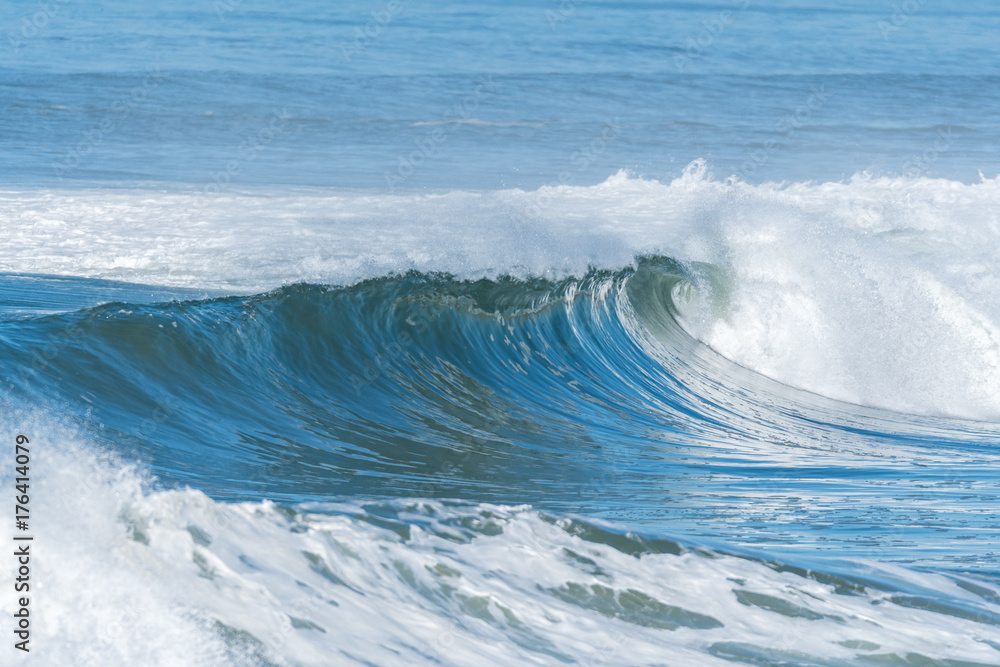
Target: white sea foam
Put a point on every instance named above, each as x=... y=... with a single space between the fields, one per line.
x=876 y=291
x=123 y=575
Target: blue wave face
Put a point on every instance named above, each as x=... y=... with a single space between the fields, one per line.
x=574 y=396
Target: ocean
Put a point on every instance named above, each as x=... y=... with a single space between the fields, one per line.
x=537 y=333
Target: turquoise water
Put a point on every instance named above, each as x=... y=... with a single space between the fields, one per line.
x=544 y=333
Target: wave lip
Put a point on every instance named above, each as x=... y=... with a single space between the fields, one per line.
x=874 y=291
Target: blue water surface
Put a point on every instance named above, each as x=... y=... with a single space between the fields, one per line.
x=406 y=94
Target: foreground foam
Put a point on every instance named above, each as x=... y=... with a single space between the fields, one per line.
x=133 y=575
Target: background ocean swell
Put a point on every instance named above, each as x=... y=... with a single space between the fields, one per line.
x=438 y=439
x=770 y=90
